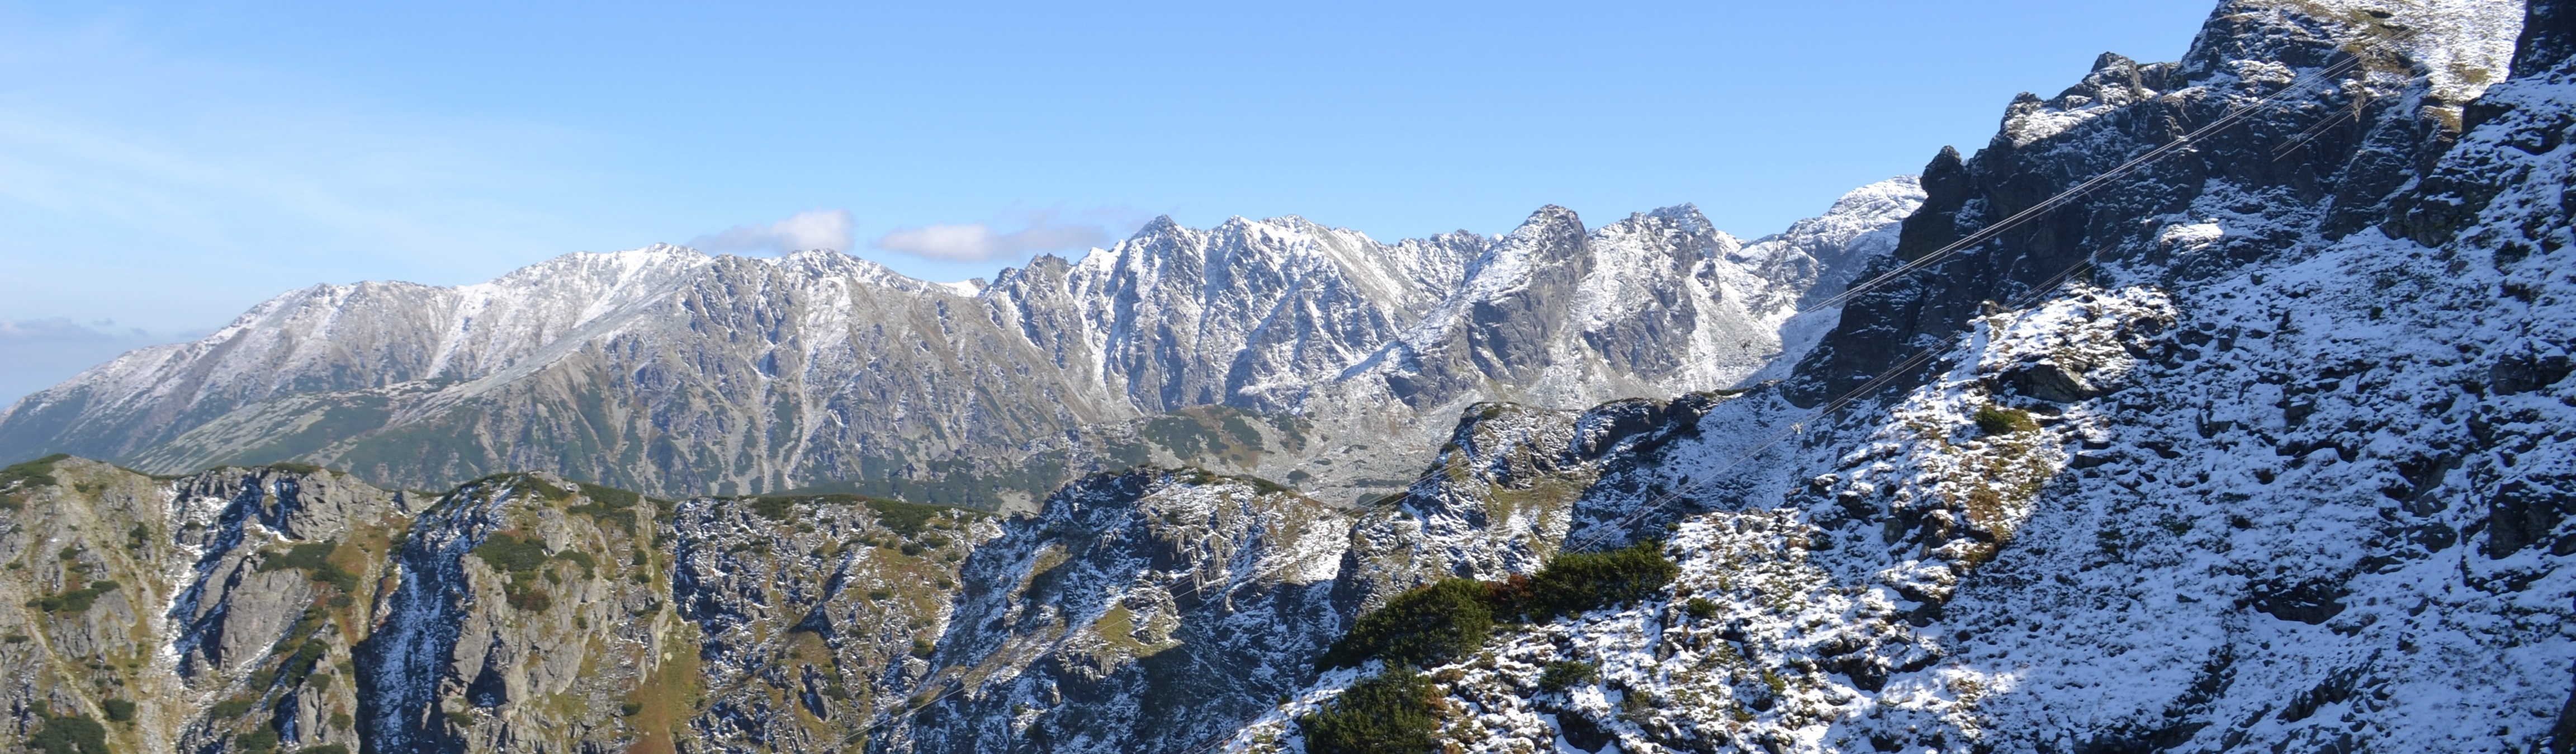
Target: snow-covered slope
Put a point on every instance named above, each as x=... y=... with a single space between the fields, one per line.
x=2289 y=472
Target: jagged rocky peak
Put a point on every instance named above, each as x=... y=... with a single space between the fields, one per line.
x=678 y=372
x=2289 y=166
x=1820 y=255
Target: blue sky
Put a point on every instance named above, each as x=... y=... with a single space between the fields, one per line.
x=165 y=166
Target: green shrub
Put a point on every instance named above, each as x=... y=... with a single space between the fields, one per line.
x=608 y=506
x=628 y=709
x=1427 y=626
x=260 y=740
x=1390 y=713
x=609 y=497
x=1993 y=420
x=774 y=508
x=324 y=749
x=904 y=518
x=314 y=558
x=118 y=710
x=1578 y=582
x=520 y=557
x=531 y=600
x=300 y=664
x=589 y=565
x=69 y=734
x=36 y=473
x=234 y=707
x=74 y=601
x=1700 y=608
x=511 y=553
x=1566 y=674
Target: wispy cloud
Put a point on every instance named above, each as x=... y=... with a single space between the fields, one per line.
x=211 y=184
x=1035 y=232
x=52 y=329
x=37 y=353
x=810 y=229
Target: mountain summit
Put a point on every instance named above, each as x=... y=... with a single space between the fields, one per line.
x=676 y=372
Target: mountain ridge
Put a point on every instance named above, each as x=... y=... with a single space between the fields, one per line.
x=679 y=372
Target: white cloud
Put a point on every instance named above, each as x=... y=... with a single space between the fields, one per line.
x=810 y=229
x=1038 y=232
x=54 y=329
x=37 y=353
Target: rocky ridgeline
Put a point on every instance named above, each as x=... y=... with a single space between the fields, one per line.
x=2285 y=470
x=679 y=373
x=250 y=609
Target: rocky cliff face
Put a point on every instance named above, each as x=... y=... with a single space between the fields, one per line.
x=2279 y=472
x=678 y=373
x=249 y=609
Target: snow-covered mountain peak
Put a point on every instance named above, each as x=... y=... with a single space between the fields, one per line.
x=1276 y=315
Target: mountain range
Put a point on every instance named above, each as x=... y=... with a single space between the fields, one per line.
x=675 y=372
x=2214 y=405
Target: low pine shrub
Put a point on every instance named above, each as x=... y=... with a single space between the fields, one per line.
x=314 y=558
x=1578 y=582
x=1566 y=674
x=508 y=552
x=1390 y=713
x=74 y=601
x=1436 y=624
x=36 y=473
x=1700 y=608
x=262 y=740
x=69 y=734
x=234 y=707
x=1993 y=420
x=773 y=508
x=1427 y=626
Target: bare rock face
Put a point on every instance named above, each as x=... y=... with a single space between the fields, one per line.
x=179 y=614
x=2282 y=471
x=816 y=615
